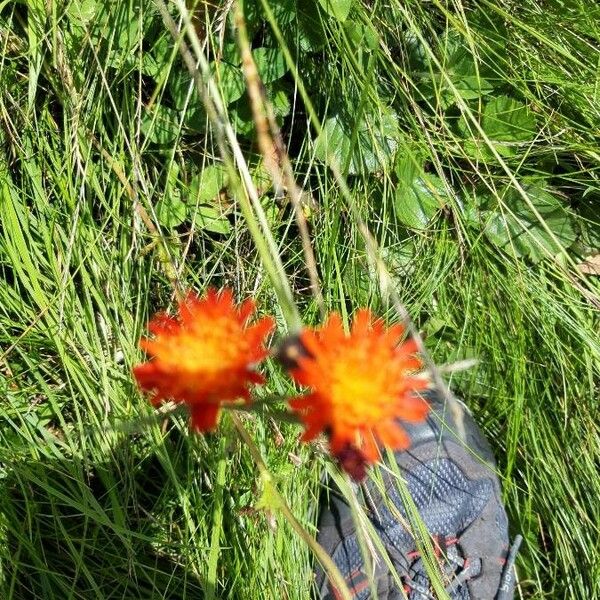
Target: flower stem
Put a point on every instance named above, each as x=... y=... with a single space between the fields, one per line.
x=243 y=188
x=331 y=569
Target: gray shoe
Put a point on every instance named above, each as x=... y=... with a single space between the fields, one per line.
x=455 y=489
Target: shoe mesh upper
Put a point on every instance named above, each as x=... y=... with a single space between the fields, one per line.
x=457 y=494
x=447 y=502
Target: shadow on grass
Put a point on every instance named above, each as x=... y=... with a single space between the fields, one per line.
x=73 y=529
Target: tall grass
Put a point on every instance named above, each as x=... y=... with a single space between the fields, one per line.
x=99 y=497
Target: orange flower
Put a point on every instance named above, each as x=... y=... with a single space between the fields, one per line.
x=361 y=384
x=205 y=357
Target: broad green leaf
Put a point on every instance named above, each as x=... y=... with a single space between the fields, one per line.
x=300 y=23
x=240 y=114
x=459 y=66
x=469 y=210
x=470 y=87
x=160 y=125
x=418 y=202
x=261 y=177
x=128 y=33
x=339 y=9
x=508 y=120
x=81 y=12
x=207 y=184
x=150 y=66
x=408 y=164
x=231 y=54
x=492 y=41
x=362 y=35
x=272 y=211
x=171 y=211
x=116 y=31
x=180 y=85
x=270 y=63
x=281 y=103
x=195 y=118
x=204 y=189
x=156 y=62
x=416 y=54
x=310 y=34
x=124 y=28
x=368 y=150
x=253 y=15
x=230 y=80
x=515 y=229
x=333 y=140
x=210 y=218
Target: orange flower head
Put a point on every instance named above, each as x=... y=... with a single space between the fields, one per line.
x=205 y=356
x=360 y=385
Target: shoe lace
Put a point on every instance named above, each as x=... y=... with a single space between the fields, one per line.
x=456 y=570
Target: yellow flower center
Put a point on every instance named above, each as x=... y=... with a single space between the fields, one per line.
x=207 y=349
x=359 y=390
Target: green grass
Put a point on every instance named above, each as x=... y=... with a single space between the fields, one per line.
x=98 y=119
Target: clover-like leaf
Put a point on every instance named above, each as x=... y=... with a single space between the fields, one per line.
x=160 y=124
x=362 y=147
x=417 y=202
x=506 y=122
x=171 y=211
x=514 y=227
x=270 y=63
x=211 y=218
x=207 y=184
x=338 y=9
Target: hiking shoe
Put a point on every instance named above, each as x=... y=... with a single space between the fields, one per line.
x=455 y=489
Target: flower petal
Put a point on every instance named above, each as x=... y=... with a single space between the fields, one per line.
x=204 y=417
x=205 y=356
x=360 y=384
